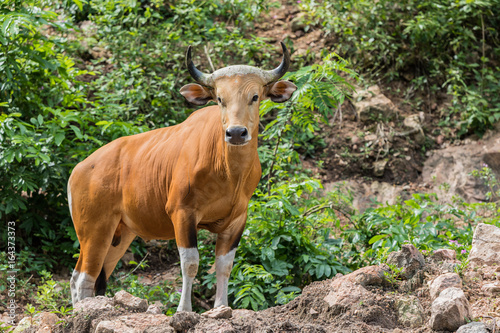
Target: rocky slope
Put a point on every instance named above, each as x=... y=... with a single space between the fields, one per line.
x=409 y=293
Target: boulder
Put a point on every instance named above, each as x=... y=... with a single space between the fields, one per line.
x=474 y=327
x=485 y=245
x=130 y=302
x=183 y=320
x=44 y=321
x=410 y=312
x=450 y=310
x=408 y=258
x=444 y=281
x=366 y=276
x=132 y=323
x=444 y=255
x=93 y=303
x=220 y=312
x=452 y=165
x=372 y=104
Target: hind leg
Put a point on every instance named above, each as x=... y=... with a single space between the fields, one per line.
x=116 y=252
x=95 y=241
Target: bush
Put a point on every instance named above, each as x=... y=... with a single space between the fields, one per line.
x=434 y=44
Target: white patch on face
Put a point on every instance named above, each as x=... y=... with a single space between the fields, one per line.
x=223 y=267
x=189 y=266
x=241 y=70
x=82 y=286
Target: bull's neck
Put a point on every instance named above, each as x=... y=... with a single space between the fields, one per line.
x=238 y=161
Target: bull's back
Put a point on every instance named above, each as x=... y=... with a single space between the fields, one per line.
x=131 y=177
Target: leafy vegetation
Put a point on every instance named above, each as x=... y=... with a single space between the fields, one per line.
x=69 y=88
x=450 y=45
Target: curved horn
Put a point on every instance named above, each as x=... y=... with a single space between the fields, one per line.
x=281 y=70
x=203 y=79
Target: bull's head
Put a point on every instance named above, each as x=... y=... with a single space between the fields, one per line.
x=238 y=90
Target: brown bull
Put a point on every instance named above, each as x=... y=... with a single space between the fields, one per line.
x=170 y=182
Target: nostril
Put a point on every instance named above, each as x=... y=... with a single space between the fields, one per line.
x=228 y=133
x=244 y=133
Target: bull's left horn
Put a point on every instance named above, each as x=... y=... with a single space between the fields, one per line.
x=201 y=78
x=281 y=70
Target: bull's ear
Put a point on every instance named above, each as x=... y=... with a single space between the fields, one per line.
x=281 y=91
x=196 y=94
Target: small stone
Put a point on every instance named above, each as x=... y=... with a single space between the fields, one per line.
x=410 y=312
x=474 y=327
x=450 y=310
x=379 y=168
x=313 y=312
x=491 y=289
x=408 y=258
x=183 y=320
x=93 y=303
x=485 y=245
x=130 y=302
x=220 y=312
x=154 y=309
x=444 y=281
x=444 y=255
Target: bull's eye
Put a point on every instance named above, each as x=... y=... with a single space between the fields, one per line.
x=255 y=98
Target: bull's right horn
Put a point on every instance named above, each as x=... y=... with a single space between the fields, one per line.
x=201 y=78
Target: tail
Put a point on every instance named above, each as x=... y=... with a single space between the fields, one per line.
x=101 y=284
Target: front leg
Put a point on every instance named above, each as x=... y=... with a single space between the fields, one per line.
x=186 y=239
x=225 y=249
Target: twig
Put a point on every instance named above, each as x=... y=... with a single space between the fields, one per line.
x=208 y=57
x=138 y=265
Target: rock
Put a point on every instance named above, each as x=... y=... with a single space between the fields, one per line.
x=474 y=327
x=372 y=104
x=450 y=310
x=485 y=245
x=44 y=321
x=93 y=303
x=410 y=312
x=220 y=312
x=132 y=323
x=408 y=258
x=491 y=289
x=299 y=22
x=444 y=255
x=130 y=302
x=414 y=123
x=182 y=321
x=154 y=309
x=472 y=276
x=444 y=281
x=379 y=168
x=366 y=276
x=453 y=165
x=346 y=294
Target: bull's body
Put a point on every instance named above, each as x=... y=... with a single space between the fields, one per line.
x=170 y=182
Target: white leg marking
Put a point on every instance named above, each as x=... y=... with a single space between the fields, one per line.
x=190 y=259
x=72 y=284
x=69 y=201
x=82 y=286
x=223 y=267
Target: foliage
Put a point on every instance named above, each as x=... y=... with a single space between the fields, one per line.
x=286 y=245
x=52 y=294
x=164 y=291
x=450 y=44
x=421 y=221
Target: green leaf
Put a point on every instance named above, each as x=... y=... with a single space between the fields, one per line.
x=376 y=238
x=59 y=138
